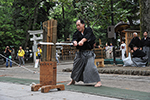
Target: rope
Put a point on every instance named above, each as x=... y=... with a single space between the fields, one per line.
x=19 y=65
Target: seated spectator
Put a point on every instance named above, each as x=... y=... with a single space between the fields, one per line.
x=139 y=57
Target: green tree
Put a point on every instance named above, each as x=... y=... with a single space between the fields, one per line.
x=64 y=13
x=29 y=16
x=9 y=35
x=97 y=13
x=19 y=16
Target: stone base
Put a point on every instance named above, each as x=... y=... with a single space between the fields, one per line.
x=47 y=88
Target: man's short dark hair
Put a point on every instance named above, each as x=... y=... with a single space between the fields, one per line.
x=39 y=45
x=146 y=32
x=123 y=40
x=82 y=21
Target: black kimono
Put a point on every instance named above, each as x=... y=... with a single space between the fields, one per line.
x=138 y=53
x=145 y=44
x=135 y=42
x=139 y=58
x=88 y=34
x=83 y=67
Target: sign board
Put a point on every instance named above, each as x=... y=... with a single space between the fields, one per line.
x=35 y=32
x=111 y=31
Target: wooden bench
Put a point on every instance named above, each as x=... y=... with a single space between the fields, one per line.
x=100 y=62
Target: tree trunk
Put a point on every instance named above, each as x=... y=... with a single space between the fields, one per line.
x=63 y=11
x=63 y=15
x=145 y=16
x=30 y=22
x=35 y=18
x=130 y=20
x=27 y=35
x=29 y=27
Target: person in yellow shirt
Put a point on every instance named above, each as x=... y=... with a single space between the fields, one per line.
x=39 y=53
x=21 y=54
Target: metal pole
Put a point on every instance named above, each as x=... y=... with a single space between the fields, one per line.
x=113 y=39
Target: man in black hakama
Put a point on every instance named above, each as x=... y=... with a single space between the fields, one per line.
x=135 y=41
x=83 y=67
x=145 y=44
x=139 y=58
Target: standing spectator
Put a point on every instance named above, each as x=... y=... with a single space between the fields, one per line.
x=13 y=53
x=39 y=53
x=21 y=55
x=8 y=55
x=107 y=49
x=135 y=41
x=100 y=47
x=123 y=49
x=111 y=51
x=57 y=57
x=145 y=44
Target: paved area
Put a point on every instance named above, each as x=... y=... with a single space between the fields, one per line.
x=111 y=82
x=84 y=89
x=9 y=91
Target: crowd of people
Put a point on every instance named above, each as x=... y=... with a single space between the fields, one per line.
x=84 y=68
x=109 y=51
x=10 y=55
x=140 y=49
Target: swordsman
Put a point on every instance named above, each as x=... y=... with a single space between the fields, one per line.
x=83 y=67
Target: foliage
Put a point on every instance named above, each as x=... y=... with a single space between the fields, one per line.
x=98 y=13
x=9 y=35
x=19 y=16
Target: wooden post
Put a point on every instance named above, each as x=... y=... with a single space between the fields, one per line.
x=126 y=38
x=100 y=42
x=48 y=73
x=48 y=67
x=49 y=40
x=54 y=40
x=44 y=48
x=44 y=53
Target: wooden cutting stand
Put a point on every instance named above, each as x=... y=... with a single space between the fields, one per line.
x=48 y=66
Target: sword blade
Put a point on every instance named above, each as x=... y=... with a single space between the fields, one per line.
x=50 y=43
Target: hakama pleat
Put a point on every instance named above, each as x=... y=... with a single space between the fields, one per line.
x=147 y=51
x=138 y=62
x=84 y=68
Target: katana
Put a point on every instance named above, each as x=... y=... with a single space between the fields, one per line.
x=50 y=43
